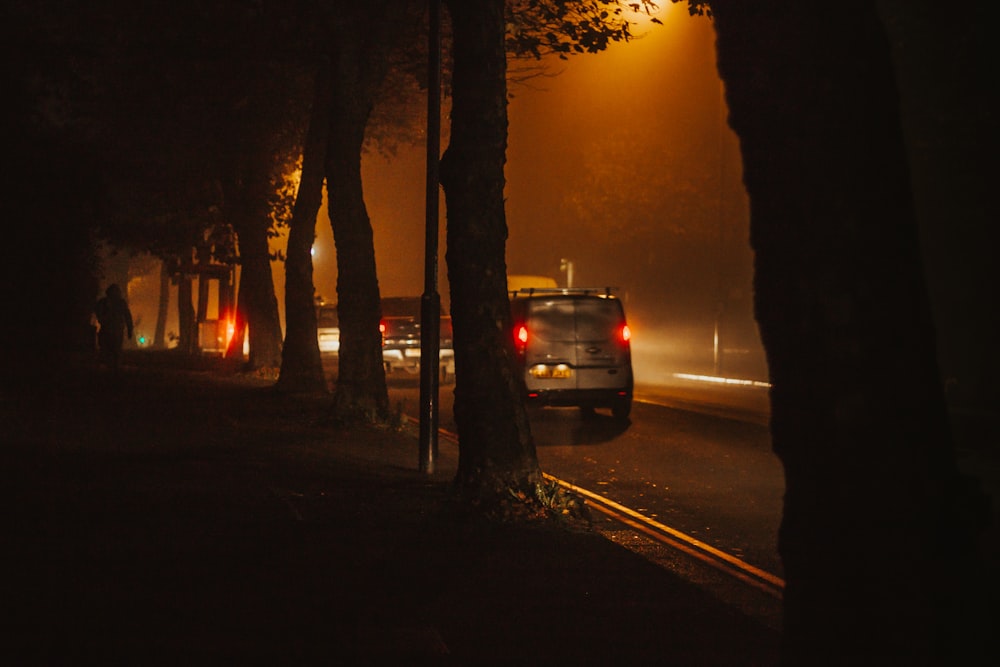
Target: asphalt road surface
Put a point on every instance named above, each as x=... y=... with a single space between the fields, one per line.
x=695 y=455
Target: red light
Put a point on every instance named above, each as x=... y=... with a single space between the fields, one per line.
x=520 y=339
x=626 y=333
x=521 y=334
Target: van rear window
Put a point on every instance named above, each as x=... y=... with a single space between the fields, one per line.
x=570 y=320
x=597 y=319
x=553 y=320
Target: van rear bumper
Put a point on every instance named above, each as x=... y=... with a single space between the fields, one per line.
x=596 y=398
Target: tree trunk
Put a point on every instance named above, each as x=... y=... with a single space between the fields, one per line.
x=496 y=448
x=858 y=413
x=187 y=336
x=257 y=295
x=358 y=69
x=251 y=220
x=301 y=364
x=163 y=306
x=361 y=392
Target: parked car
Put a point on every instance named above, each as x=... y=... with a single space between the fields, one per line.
x=573 y=346
x=328 y=329
x=400 y=327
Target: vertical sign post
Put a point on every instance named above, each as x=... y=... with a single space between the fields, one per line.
x=430 y=301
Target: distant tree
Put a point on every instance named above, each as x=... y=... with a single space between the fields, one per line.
x=50 y=278
x=629 y=187
x=393 y=89
x=202 y=142
x=257 y=305
x=164 y=190
x=360 y=60
x=301 y=365
x=154 y=160
x=265 y=101
x=54 y=195
x=371 y=105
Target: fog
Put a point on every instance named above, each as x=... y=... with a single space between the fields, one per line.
x=620 y=163
x=623 y=164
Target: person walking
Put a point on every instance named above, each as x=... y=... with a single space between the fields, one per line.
x=115 y=320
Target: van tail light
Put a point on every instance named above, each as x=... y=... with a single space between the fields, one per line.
x=381 y=331
x=625 y=334
x=520 y=337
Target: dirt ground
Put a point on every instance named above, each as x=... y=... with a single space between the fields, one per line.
x=189 y=514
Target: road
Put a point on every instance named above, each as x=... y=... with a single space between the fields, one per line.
x=695 y=456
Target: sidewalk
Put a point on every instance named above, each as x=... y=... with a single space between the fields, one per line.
x=170 y=517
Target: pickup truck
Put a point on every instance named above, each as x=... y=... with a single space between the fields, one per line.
x=400 y=326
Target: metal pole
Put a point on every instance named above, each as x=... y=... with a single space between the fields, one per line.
x=720 y=285
x=430 y=301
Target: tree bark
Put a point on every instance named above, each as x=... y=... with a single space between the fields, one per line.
x=496 y=450
x=859 y=419
x=301 y=364
x=250 y=213
x=358 y=69
x=186 y=322
x=163 y=306
x=256 y=294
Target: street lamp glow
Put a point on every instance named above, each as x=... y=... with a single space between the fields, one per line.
x=566 y=266
x=642 y=13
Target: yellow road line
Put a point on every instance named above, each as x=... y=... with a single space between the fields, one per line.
x=672 y=537
x=676 y=538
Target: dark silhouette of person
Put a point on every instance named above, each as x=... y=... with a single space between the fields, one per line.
x=115 y=320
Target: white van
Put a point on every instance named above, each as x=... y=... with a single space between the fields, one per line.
x=573 y=345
